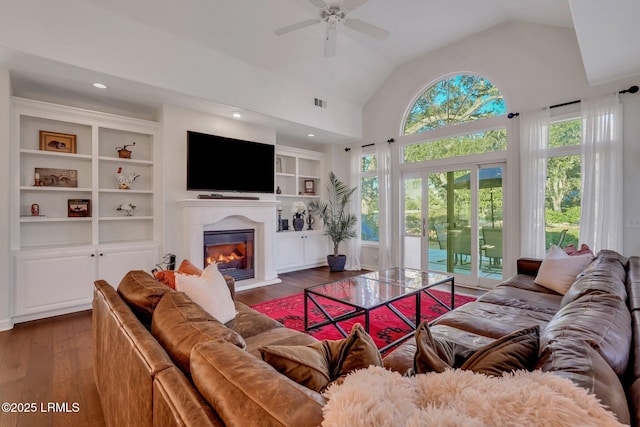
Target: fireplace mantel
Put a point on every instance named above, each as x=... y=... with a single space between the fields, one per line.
x=218 y=214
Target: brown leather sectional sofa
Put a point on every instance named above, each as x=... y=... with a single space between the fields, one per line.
x=160 y=360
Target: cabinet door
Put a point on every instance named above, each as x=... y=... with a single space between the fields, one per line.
x=50 y=281
x=290 y=250
x=316 y=249
x=114 y=263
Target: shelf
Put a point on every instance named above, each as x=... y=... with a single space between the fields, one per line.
x=125 y=218
x=126 y=161
x=54 y=154
x=61 y=189
x=49 y=219
x=307 y=196
x=286 y=174
x=131 y=191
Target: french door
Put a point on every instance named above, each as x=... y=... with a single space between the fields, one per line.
x=452 y=222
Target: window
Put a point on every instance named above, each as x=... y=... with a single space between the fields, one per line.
x=459 y=99
x=369 y=198
x=563 y=187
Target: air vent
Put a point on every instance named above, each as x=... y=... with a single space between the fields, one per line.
x=320 y=102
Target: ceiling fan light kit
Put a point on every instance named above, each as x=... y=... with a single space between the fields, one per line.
x=333 y=14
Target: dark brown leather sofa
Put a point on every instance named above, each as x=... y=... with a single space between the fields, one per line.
x=159 y=360
x=591 y=335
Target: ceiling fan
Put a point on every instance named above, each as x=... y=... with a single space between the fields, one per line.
x=332 y=14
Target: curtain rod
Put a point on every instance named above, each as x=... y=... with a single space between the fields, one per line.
x=390 y=141
x=632 y=89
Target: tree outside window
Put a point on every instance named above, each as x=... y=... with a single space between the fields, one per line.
x=369 y=198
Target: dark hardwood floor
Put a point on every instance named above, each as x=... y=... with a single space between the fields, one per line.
x=50 y=360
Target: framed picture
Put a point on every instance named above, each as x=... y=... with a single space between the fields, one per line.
x=57 y=177
x=309 y=186
x=278 y=164
x=79 y=207
x=58 y=142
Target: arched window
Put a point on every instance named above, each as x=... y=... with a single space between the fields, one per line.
x=458 y=99
x=462 y=98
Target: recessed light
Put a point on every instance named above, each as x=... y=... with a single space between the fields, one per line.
x=311 y=135
x=237 y=115
x=100 y=85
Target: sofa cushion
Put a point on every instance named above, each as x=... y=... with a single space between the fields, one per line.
x=210 y=291
x=246 y=391
x=319 y=364
x=249 y=322
x=558 y=270
x=601 y=320
x=142 y=293
x=578 y=362
x=179 y=324
x=518 y=350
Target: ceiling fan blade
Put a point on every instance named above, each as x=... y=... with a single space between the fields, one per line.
x=330 y=41
x=318 y=3
x=299 y=25
x=366 y=28
x=353 y=4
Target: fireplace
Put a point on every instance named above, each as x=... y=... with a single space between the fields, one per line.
x=232 y=250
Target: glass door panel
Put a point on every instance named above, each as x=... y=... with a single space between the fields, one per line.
x=490 y=221
x=413 y=224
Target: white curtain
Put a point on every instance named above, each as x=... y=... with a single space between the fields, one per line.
x=534 y=137
x=353 y=245
x=383 y=158
x=601 y=219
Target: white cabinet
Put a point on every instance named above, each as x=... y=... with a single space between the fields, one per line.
x=297 y=250
x=65 y=162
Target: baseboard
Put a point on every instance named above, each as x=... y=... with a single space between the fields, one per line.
x=6 y=324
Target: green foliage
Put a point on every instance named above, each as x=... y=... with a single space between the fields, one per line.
x=339 y=224
x=482 y=142
x=568 y=216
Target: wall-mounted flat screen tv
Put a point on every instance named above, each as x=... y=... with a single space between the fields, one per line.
x=218 y=163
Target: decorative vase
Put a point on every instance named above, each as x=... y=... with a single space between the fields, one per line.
x=336 y=263
x=298 y=223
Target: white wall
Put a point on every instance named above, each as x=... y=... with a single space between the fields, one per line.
x=5 y=279
x=534 y=66
x=175 y=122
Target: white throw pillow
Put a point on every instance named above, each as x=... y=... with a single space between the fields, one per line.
x=210 y=291
x=558 y=270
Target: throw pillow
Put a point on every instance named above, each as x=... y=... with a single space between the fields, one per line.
x=318 y=365
x=558 y=270
x=168 y=277
x=571 y=250
x=210 y=291
x=515 y=351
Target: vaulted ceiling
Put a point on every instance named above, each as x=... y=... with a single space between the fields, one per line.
x=243 y=30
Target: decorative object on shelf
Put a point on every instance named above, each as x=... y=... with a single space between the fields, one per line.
x=338 y=224
x=79 y=207
x=278 y=190
x=56 y=177
x=37 y=182
x=310 y=219
x=35 y=209
x=279 y=217
x=128 y=208
x=298 y=209
x=125 y=181
x=123 y=153
x=285 y=224
x=309 y=187
x=58 y=142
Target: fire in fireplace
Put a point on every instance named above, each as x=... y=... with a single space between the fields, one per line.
x=232 y=250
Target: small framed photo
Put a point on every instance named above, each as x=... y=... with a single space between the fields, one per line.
x=278 y=164
x=309 y=186
x=79 y=208
x=57 y=177
x=58 y=142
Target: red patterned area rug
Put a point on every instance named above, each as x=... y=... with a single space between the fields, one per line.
x=385 y=326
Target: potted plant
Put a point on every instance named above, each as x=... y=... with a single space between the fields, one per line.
x=338 y=224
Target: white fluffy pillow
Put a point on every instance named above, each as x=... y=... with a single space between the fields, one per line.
x=210 y=291
x=559 y=270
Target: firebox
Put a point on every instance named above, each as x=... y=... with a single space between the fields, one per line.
x=232 y=250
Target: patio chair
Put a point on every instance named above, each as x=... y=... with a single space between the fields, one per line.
x=461 y=242
x=441 y=235
x=563 y=234
x=492 y=245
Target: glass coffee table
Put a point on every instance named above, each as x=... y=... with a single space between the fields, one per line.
x=366 y=292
